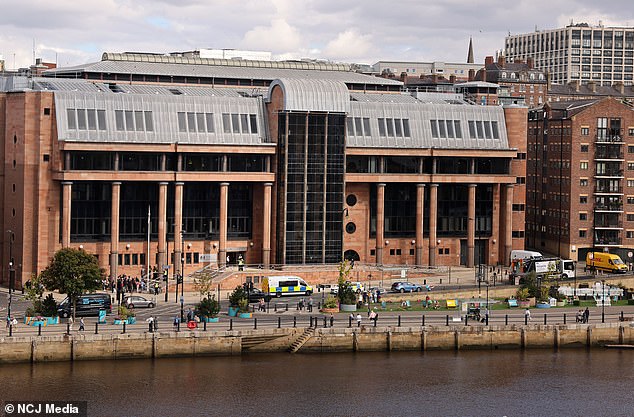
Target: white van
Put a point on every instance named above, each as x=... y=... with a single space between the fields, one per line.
x=517 y=255
x=286 y=285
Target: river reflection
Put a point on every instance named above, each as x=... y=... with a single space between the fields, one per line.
x=468 y=383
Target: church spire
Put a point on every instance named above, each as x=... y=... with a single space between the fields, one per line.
x=470 y=54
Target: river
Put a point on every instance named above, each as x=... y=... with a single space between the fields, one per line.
x=575 y=382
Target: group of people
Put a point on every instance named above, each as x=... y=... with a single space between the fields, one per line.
x=583 y=316
x=302 y=304
x=373 y=316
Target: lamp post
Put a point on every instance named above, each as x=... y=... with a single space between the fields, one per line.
x=182 y=277
x=603 y=301
x=11 y=272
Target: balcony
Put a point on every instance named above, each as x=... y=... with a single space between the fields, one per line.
x=604 y=189
x=609 y=173
x=614 y=207
x=609 y=139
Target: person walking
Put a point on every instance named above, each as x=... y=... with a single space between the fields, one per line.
x=332 y=320
x=358 y=319
x=586 y=315
x=81 y=324
x=527 y=315
x=150 y=321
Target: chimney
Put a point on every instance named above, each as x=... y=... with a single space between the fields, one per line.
x=620 y=87
x=471 y=74
x=452 y=79
x=488 y=61
x=575 y=85
x=592 y=86
x=501 y=60
x=404 y=76
x=529 y=62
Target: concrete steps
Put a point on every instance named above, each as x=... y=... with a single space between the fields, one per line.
x=303 y=338
x=250 y=341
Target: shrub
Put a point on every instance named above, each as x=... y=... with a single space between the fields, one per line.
x=208 y=307
x=237 y=296
x=331 y=302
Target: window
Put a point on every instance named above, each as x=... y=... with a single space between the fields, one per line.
x=630 y=183
x=630 y=166
x=584 y=148
x=182 y=122
x=629 y=234
x=583 y=165
x=582 y=233
x=630 y=199
x=585 y=131
x=583 y=216
x=583 y=199
x=630 y=149
x=72 y=119
x=630 y=217
x=630 y=131
x=583 y=182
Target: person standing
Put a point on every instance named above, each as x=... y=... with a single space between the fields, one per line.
x=586 y=315
x=527 y=315
x=358 y=319
x=332 y=320
x=150 y=321
x=81 y=324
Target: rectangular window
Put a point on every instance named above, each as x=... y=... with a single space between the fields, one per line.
x=118 y=118
x=582 y=233
x=450 y=134
x=630 y=183
x=585 y=131
x=81 y=119
x=487 y=130
x=583 y=182
x=630 y=131
x=254 y=124
x=72 y=123
x=235 y=122
x=101 y=119
x=149 y=125
x=629 y=234
x=182 y=122
x=191 y=121
x=138 y=120
x=434 y=128
x=442 y=132
x=630 y=217
x=457 y=129
x=583 y=165
x=583 y=216
x=200 y=122
x=226 y=122
x=399 y=127
x=129 y=120
x=92 y=119
x=390 y=127
x=406 y=130
x=244 y=122
x=350 y=126
x=381 y=126
x=480 y=130
x=584 y=148
x=630 y=199
x=472 y=130
x=496 y=132
x=366 y=127
x=357 y=126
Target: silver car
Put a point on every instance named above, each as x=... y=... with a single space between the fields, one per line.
x=133 y=301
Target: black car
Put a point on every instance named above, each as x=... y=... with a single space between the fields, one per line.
x=255 y=295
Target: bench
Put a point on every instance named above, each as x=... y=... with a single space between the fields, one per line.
x=512 y=302
x=452 y=303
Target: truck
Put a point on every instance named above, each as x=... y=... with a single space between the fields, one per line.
x=560 y=268
x=604 y=261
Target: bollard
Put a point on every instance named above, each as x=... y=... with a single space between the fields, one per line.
x=97 y=328
x=68 y=328
x=294 y=321
x=447 y=320
x=123 y=328
x=10 y=330
x=178 y=326
x=350 y=321
x=423 y=320
x=525 y=320
x=325 y=322
x=275 y=307
x=399 y=321
x=319 y=305
x=564 y=318
x=279 y=322
x=311 y=321
x=506 y=319
x=205 y=325
x=486 y=319
x=622 y=318
x=297 y=306
x=466 y=319
x=544 y=318
x=255 y=323
x=39 y=329
x=230 y=324
x=375 y=320
x=286 y=306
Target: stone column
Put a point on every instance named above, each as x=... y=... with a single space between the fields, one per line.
x=114 y=229
x=67 y=188
x=433 y=220
x=222 y=242
x=162 y=223
x=266 y=232
x=508 y=224
x=471 y=226
x=178 y=226
x=420 y=211
x=380 y=221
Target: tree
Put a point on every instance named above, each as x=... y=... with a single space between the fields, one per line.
x=72 y=272
x=345 y=293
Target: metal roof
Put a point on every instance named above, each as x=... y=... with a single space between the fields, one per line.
x=313 y=95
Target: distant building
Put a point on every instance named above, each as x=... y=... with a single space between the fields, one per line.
x=578 y=52
x=580 y=178
x=461 y=71
x=591 y=91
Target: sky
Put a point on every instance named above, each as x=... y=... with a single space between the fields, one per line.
x=71 y=32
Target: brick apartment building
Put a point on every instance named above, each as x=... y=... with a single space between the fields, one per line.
x=279 y=162
x=580 y=178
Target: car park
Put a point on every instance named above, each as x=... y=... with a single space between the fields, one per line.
x=402 y=286
x=136 y=301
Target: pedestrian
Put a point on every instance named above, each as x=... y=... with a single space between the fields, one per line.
x=351 y=318
x=150 y=321
x=332 y=320
x=358 y=319
x=155 y=322
x=70 y=323
x=81 y=324
x=310 y=305
x=176 y=321
x=586 y=315
x=527 y=315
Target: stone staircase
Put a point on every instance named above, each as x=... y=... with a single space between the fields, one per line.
x=250 y=341
x=303 y=338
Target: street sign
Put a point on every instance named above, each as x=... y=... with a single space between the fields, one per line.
x=182 y=299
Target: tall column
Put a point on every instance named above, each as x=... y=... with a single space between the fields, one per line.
x=222 y=243
x=380 y=221
x=266 y=232
x=471 y=226
x=162 y=223
x=433 y=220
x=67 y=188
x=508 y=224
x=178 y=225
x=114 y=229
x=420 y=205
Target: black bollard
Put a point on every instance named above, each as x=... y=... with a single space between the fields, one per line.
x=123 y=328
x=294 y=321
x=311 y=321
x=205 y=325
x=564 y=318
x=375 y=320
x=350 y=321
x=178 y=326
x=150 y=327
x=466 y=320
x=97 y=328
x=10 y=330
x=325 y=322
x=286 y=306
x=279 y=322
x=67 y=328
x=275 y=307
x=622 y=318
x=255 y=323
x=39 y=329
x=545 y=318
x=506 y=319
x=423 y=320
x=447 y=320
x=399 y=320
x=486 y=319
x=525 y=320
x=230 y=324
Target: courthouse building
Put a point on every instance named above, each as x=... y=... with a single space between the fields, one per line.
x=147 y=160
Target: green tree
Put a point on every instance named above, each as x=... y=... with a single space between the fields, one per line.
x=72 y=272
x=345 y=293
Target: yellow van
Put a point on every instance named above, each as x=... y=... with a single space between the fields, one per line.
x=605 y=262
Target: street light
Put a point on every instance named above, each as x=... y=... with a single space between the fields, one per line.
x=11 y=272
x=603 y=301
x=182 y=277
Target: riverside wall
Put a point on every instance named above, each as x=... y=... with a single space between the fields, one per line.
x=320 y=340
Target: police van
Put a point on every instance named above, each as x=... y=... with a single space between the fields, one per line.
x=279 y=286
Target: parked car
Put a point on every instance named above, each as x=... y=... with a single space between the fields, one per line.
x=256 y=294
x=133 y=301
x=406 y=287
x=334 y=289
x=86 y=305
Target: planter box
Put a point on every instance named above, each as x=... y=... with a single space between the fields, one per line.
x=543 y=305
x=211 y=319
x=561 y=303
x=233 y=311
x=330 y=310
x=245 y=315
x=525 y=304
x=348 y=307
x=129 y=320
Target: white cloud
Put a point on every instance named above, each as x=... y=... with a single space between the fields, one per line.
x=278 y=37
x=349 y=44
